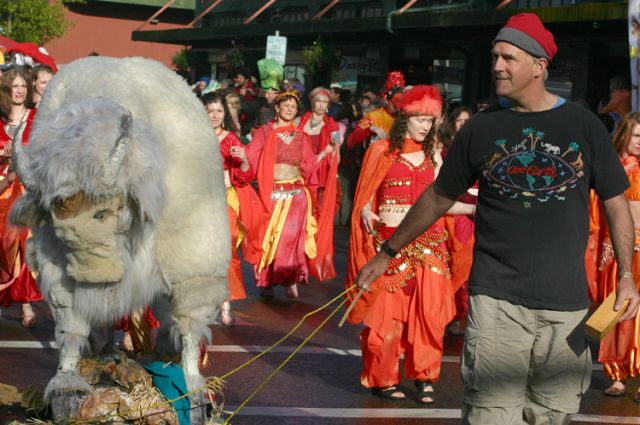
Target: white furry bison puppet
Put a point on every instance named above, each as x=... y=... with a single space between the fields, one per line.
x=126 y=202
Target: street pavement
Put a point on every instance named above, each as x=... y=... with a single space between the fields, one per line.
x=318 y=385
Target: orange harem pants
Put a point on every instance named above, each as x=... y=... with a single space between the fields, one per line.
x=234 y=272
x=620 y=349
x=409 y=321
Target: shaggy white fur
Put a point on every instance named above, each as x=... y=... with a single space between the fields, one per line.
x=170 y=235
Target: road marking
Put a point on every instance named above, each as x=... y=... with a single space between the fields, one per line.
x=418 y=413
x=283 y=349
x=28 y=344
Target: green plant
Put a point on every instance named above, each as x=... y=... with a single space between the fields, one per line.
x=183 y=60
x=234 y=58
x=317 y=56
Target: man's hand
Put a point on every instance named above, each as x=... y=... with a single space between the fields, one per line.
x=627 y=291
x=372 y=270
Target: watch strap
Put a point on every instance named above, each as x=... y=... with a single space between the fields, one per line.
x=388 y=250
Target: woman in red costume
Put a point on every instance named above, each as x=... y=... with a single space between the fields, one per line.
x=284 y=162
x=17 y=285
x=460 y=228
x=323 y=131
x=376 y=124
x=620 y=349
x=409 y=306
x=238 y=173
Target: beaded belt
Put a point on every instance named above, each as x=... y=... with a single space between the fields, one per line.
x=427 y=250
x=607 y=254
x=286 y=190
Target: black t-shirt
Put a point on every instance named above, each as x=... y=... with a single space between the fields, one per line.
x=532 y=222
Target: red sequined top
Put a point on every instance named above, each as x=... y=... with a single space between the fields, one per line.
x=404 y=182
x=292 y=148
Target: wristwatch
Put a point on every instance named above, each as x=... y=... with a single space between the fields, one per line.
x=626 y=274
x=388 y=250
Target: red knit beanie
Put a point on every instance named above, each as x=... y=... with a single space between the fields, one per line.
x=526 y=31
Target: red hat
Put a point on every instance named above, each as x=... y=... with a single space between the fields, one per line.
x=421 y=100
x=393 y=85
x=526 y=31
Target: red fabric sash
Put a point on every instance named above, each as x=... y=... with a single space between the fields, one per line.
x=322 y=267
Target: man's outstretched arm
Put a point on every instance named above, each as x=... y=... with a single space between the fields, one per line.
x=428 y=208
x=622 y=239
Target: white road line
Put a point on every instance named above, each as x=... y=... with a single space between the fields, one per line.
x=283 y=349
x=417 y=413
x=28 y=344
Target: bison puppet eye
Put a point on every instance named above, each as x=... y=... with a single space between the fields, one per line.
x=101 y=215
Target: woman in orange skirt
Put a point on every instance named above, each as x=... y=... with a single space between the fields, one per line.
x=17 y=285
x=237 y=174
x=619 y=350
x=409 y=306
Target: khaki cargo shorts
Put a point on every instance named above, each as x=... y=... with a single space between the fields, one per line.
x=512 y=353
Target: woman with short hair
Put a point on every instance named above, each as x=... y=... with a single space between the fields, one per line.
x=283 y=159
x=322 y=131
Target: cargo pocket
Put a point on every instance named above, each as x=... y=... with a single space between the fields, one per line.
x=468 y=361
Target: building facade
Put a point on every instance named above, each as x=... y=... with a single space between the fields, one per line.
x=444 y=42
x=105 y=27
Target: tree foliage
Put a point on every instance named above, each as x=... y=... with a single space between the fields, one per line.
x=184 y=60
x=37 y=21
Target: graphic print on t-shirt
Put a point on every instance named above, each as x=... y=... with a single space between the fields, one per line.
x=534 y=170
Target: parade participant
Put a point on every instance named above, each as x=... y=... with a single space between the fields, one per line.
x=284 y=162
x=525 y=357
x=235 y=111
x=376 y=124
x=619 y=349
x=322 y=131
x=453 y=123
x=40 y=75
x=237 y=173
x=16 y=279
x=411 y=304
x=620 y=99
x=243 y=85
x=271 y=79
x=460 y=228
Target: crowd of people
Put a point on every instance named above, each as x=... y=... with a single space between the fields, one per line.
x=475 y=223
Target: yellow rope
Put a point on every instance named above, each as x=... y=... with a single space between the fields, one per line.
x=99 y=419
x=289 y=357
x=281 y=340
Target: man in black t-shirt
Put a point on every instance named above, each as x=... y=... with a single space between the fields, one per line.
x=536 y=157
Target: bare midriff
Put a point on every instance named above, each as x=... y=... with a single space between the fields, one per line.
x=393 y=219
x=286 y=172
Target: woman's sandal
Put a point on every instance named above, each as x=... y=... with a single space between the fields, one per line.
x=389 y=393
x=615 y=390
x=425 y=390
x=28 y=316
x=226 y=314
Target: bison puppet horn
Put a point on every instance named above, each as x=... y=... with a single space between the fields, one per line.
x=113 y=164
x=20 y=162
